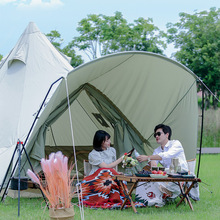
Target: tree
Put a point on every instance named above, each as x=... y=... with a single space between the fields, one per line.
x=1 y=56
x=55 y=38
x=101 y=35
x=76 y=60
x=197 y=37
x=147 y=37
x=89 y=41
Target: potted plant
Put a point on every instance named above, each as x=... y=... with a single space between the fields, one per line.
x=57 y=185
x=128 y=163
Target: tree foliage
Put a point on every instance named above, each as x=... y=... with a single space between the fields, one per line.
x=1 y=56
x=55 y=38
x=76 y=60
x=101 y=35
x=197 y=37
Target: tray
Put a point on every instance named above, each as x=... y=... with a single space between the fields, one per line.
x=183 y=173
x=188 y=176
x=142 y=175
x=158 y=176
x=175 y=175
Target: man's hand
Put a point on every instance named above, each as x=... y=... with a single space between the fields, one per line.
x=142 y=158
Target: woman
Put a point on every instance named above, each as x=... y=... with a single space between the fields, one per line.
x=99 y=189
x=103 y=155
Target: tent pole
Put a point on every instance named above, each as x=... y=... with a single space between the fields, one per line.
x=12 y=173
x=201 y=134
x=19 y=175
x=74 y=152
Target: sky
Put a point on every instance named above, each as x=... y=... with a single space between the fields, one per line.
x=64 y=15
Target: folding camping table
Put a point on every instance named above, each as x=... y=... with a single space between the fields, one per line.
x=135 y=180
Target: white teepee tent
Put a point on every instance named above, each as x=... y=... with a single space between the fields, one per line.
x=25 y=78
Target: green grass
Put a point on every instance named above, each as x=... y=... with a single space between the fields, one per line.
x=206 y=208
x=211 y=128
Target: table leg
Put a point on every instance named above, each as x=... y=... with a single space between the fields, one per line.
x=182 y=190
x=128 y=195
x=185 y=195
x=185 y=188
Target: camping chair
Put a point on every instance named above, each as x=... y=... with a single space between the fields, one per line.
x=87 y=167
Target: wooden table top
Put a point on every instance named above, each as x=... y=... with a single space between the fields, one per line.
x=150 y=179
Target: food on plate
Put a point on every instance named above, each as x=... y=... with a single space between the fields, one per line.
x=159 y=172
x=144 y=172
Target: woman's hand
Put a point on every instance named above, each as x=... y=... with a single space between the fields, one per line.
x=111 y=165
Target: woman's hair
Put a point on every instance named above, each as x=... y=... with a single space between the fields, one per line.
x=98 y=139
x=166 y=129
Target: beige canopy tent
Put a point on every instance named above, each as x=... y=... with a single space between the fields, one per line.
x=126 y=94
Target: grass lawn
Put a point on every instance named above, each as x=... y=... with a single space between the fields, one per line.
x=211 y=132
x=207 y=208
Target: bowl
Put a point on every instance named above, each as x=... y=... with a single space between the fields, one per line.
x=158 y=175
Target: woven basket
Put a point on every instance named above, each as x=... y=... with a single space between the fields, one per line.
x=65 y=213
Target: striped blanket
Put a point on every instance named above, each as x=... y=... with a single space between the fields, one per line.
x=99 y=190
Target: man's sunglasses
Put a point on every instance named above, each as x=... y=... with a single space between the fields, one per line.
x=157 y=134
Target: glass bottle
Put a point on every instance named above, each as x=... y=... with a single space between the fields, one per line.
x=179 y=169
x=136 y=153
x=171 y=170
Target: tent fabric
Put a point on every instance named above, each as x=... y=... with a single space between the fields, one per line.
x=126 y=94
x=26 y=75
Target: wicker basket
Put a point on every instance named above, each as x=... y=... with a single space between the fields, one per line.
x=63 y=213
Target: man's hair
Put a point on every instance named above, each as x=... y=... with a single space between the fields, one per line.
x=166 y=129
x=99 y=137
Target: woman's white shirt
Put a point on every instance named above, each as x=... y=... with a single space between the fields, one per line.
x=97 y=157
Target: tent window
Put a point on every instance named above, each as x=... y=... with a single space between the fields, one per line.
x=100 y=119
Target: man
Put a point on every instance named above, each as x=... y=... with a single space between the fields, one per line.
x=167 y=150
x=156 y=193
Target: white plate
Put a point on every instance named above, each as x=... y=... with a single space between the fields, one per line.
x=158 y=176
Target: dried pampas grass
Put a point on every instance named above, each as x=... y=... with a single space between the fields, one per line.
x=57 y=186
